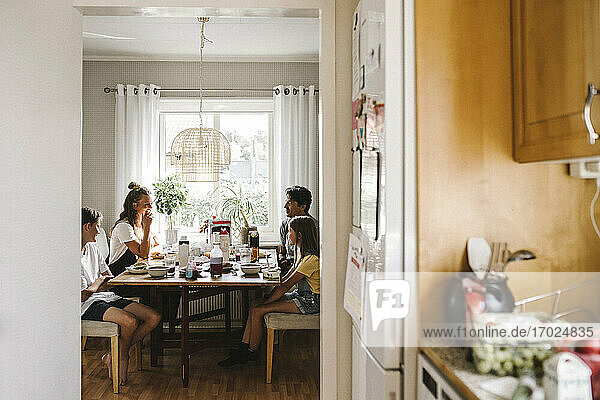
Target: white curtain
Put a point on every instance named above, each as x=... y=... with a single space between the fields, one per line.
x=136 y=138
x=297 y=141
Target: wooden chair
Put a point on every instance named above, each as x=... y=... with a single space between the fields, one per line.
x=283 y=322
x=111 y=330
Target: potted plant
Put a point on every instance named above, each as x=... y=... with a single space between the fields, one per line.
x=238 y=207
x=170 y=197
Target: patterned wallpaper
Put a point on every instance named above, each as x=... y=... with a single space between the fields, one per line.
x=97 y=169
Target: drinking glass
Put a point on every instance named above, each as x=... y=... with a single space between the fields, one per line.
x=245 y=255
x=170 y=260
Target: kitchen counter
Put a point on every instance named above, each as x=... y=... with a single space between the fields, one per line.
x=460 y=373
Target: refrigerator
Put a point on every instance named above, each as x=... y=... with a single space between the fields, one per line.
x=384 y=193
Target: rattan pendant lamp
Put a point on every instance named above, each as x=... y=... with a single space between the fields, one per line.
x=200 y=154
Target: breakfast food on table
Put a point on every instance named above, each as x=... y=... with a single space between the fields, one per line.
x=140 y=265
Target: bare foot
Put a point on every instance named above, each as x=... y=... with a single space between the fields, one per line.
x=123 y=370
x=107 y=359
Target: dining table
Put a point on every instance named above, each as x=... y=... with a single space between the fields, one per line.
x=193 y=289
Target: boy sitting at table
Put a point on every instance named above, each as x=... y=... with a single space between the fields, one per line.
x=98 y=304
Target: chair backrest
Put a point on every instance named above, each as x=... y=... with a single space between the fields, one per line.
x=102 y=242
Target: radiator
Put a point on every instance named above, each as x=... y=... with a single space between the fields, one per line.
x=212 y=303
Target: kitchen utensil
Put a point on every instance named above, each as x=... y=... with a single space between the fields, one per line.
x=157 y=272
x=245 y=254
x=498 y=297
x=132 y=269
x=250 y=269
x=478 y=254
x=518 y=255
x=170 y=260
x=498 y=253
x=272 y=273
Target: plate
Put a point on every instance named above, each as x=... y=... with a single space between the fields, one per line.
x=137 y=271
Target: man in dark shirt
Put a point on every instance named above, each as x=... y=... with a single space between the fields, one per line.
x=298 y=201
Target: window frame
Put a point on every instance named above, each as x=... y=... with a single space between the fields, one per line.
x=218 y=106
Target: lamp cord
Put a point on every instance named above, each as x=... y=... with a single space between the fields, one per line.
x=203 y=40
x=592 y=217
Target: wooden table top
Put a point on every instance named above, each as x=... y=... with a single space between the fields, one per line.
x=205 y=280
x=234 y=278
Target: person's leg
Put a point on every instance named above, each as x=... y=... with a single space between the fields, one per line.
x=148 y=317
x=254 y=329
x=128 y=323
x=248 y=329
x=285 y=306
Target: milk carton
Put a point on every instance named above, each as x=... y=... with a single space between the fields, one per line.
x=567 y=377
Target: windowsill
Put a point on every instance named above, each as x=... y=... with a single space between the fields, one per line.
x=195 y=237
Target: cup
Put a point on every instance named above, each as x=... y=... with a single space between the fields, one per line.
x=245 y=254
x=170 y=260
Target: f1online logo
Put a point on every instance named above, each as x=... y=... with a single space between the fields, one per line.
x=389 y=300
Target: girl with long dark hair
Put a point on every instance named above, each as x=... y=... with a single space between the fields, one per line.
x=303 y=300
x=131 y=235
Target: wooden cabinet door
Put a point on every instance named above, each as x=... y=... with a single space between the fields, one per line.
x=556 y=52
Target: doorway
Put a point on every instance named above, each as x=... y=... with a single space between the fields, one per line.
x=325 y=12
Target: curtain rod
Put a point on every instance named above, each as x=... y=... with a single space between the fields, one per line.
x=276 y=90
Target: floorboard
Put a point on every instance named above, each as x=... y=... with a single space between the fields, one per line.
x=295 y=374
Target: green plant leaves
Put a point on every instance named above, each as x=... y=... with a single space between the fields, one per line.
x=170 y=196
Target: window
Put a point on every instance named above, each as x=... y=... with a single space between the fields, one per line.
x=247 y=124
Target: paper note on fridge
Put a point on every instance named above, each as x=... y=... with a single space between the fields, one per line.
x=354 y=271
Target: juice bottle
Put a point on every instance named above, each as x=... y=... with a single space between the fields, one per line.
x=254 y=246
x=216 y=260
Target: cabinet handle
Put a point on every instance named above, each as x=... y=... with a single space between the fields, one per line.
x=587 y=112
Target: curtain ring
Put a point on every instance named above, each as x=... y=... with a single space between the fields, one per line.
x=277 y=91
x=155 y=91
x=295 y=91
x=135 y=91
x=286 y=91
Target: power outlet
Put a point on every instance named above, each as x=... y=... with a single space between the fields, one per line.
x=585 y=170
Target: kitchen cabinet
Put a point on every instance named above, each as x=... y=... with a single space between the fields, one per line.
x=556 y=52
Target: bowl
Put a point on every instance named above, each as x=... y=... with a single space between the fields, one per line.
x=250 y=269
x=157 y=272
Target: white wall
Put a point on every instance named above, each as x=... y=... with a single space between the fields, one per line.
x=39 y=329
x=344 y=11
x=40 y=79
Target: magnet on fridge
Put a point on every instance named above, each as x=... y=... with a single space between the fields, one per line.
x=362 y=76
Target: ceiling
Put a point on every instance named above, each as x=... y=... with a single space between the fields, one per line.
x=234 y=39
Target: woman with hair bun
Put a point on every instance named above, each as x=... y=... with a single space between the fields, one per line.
x=131 y=236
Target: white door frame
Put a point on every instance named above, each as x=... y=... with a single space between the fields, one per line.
x=327 y=149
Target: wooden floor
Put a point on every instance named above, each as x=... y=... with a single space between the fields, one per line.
x=295 y=374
